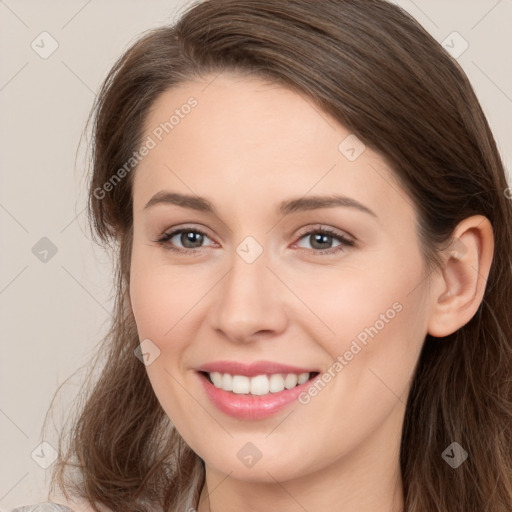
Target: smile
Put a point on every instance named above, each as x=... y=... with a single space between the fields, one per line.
x=258 y=385
x=252 y=398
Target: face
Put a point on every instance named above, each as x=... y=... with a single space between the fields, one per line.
x=334 y=287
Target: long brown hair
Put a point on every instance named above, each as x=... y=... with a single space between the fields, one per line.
x=373 y=68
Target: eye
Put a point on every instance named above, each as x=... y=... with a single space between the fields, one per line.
x=321 y=241
x=189 y=238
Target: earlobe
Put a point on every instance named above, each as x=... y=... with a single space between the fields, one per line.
x=462 y=281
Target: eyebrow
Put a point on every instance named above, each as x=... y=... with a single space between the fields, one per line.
x=285 y=207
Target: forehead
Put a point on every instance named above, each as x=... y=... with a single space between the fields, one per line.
x=243 y=141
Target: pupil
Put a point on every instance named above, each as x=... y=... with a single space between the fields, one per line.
x=192 y=237
x=320 y=238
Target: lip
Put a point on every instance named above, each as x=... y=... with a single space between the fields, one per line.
x=252 y=407
x=252 y=369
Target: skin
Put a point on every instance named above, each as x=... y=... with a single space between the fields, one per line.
x=247 y=146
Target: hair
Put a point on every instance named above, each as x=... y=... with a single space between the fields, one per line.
x=378 y=72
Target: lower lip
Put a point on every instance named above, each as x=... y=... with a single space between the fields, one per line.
x=252 y=407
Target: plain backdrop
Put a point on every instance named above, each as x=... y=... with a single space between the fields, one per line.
x=55 y=284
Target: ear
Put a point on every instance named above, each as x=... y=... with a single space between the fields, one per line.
x=459 y=288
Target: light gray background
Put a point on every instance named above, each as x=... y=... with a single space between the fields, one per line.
x=54 y=312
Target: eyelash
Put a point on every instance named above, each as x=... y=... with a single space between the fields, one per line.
x=344 y=242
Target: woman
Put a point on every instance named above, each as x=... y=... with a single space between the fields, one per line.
x=314 y=271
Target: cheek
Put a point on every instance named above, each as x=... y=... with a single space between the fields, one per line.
x=160 y=295
x=369 y=313
x=378 y=319
x=353 y=296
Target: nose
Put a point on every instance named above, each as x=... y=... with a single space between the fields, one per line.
x=249 y=302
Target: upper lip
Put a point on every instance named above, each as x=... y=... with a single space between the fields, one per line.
x=252 y=369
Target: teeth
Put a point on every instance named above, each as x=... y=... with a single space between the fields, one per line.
x=290 y=381
x=227 y=382
x=303 y=377
x=241 y=384
x=258 y=385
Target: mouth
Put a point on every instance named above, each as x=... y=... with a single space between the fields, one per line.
x=258 y=385
x=255 y=390
x=257 y=397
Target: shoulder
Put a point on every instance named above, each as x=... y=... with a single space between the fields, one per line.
x=43 y=507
